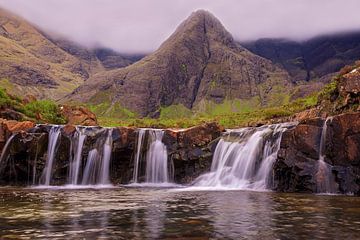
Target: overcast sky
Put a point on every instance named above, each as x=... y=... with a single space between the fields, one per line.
x=137 y=26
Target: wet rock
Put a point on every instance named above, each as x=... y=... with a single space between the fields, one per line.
x=69 y=129
x=191 y=150
x=298 y=158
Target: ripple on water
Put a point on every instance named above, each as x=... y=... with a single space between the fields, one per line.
x=133 y=212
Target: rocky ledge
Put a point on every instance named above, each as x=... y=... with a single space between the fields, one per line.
x=297 y=165
x=190 y=151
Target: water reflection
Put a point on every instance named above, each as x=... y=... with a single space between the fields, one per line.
x=158 y=213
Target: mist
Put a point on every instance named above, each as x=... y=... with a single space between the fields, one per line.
x=140 y=26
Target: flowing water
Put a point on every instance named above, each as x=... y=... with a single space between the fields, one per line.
x=51 y=152
x=140 y=139
x=75 y=165
x=139 y=213
x=97 y=166
x=243 y=159
x=157 y=159
x=325 y=182
x=157 y=170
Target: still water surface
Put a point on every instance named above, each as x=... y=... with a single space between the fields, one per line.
x=143 y=213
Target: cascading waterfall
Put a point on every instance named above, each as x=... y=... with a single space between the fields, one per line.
x=97 y=169
x=243 y=159
x=75 y=165
x=89 y=176
x=156 y=159
x=157 y=168
x=140 y=139
x=5 y=151
x=53 y=139
x=105 y=163
x=4 y=154
x=325 y=182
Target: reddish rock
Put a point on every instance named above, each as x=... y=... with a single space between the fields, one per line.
x=296 y=166
x=306 y=114
x=78 y=115
x=69 y=129
x=349 y=87
x=13 y=126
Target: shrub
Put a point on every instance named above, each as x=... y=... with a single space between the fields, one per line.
x=44 y=110
x=5 y=100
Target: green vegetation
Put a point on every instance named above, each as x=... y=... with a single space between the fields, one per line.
x=229 y=114
x=175 y=112
x=111 y=110
x=5 y=100
x=39 y=111
x=45 y=110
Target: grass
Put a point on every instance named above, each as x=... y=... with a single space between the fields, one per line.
x=178 y=116
x=42 y=111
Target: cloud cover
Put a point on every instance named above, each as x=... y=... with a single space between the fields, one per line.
x=140 y=26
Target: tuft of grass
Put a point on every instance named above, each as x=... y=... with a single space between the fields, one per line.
x=44 y=110
x=5 y=100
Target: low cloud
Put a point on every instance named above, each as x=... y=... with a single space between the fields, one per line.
x=140 y=26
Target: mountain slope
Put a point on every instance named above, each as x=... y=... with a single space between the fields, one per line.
x=33 y=62
x=199 y=63
x=312 y=59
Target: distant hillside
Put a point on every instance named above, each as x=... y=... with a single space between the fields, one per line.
x=32 y=62
x=199 y=64
x=316 y=59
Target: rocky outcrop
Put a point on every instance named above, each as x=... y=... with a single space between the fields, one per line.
x=78 y=115
x=298 y=159
x=191 y=150
x=349 y=87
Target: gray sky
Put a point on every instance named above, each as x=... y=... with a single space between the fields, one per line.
x=136 y=26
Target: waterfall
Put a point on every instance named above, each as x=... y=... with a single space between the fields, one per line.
x=89 y=176
x=97 y=169
x=5 y=153
x=6 y=148
x=140 y=139
x=243 y=159
x=325 y=182
x=105 y=161
x=76 y=163
x=156 y=159
x=52 y=143
x=157 y=168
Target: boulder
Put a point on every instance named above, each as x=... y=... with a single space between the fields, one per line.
x=191 y=150
x=78 y=115
x=11 y=114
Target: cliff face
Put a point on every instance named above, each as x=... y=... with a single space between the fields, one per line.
x=199 y=62
x=297 y=166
